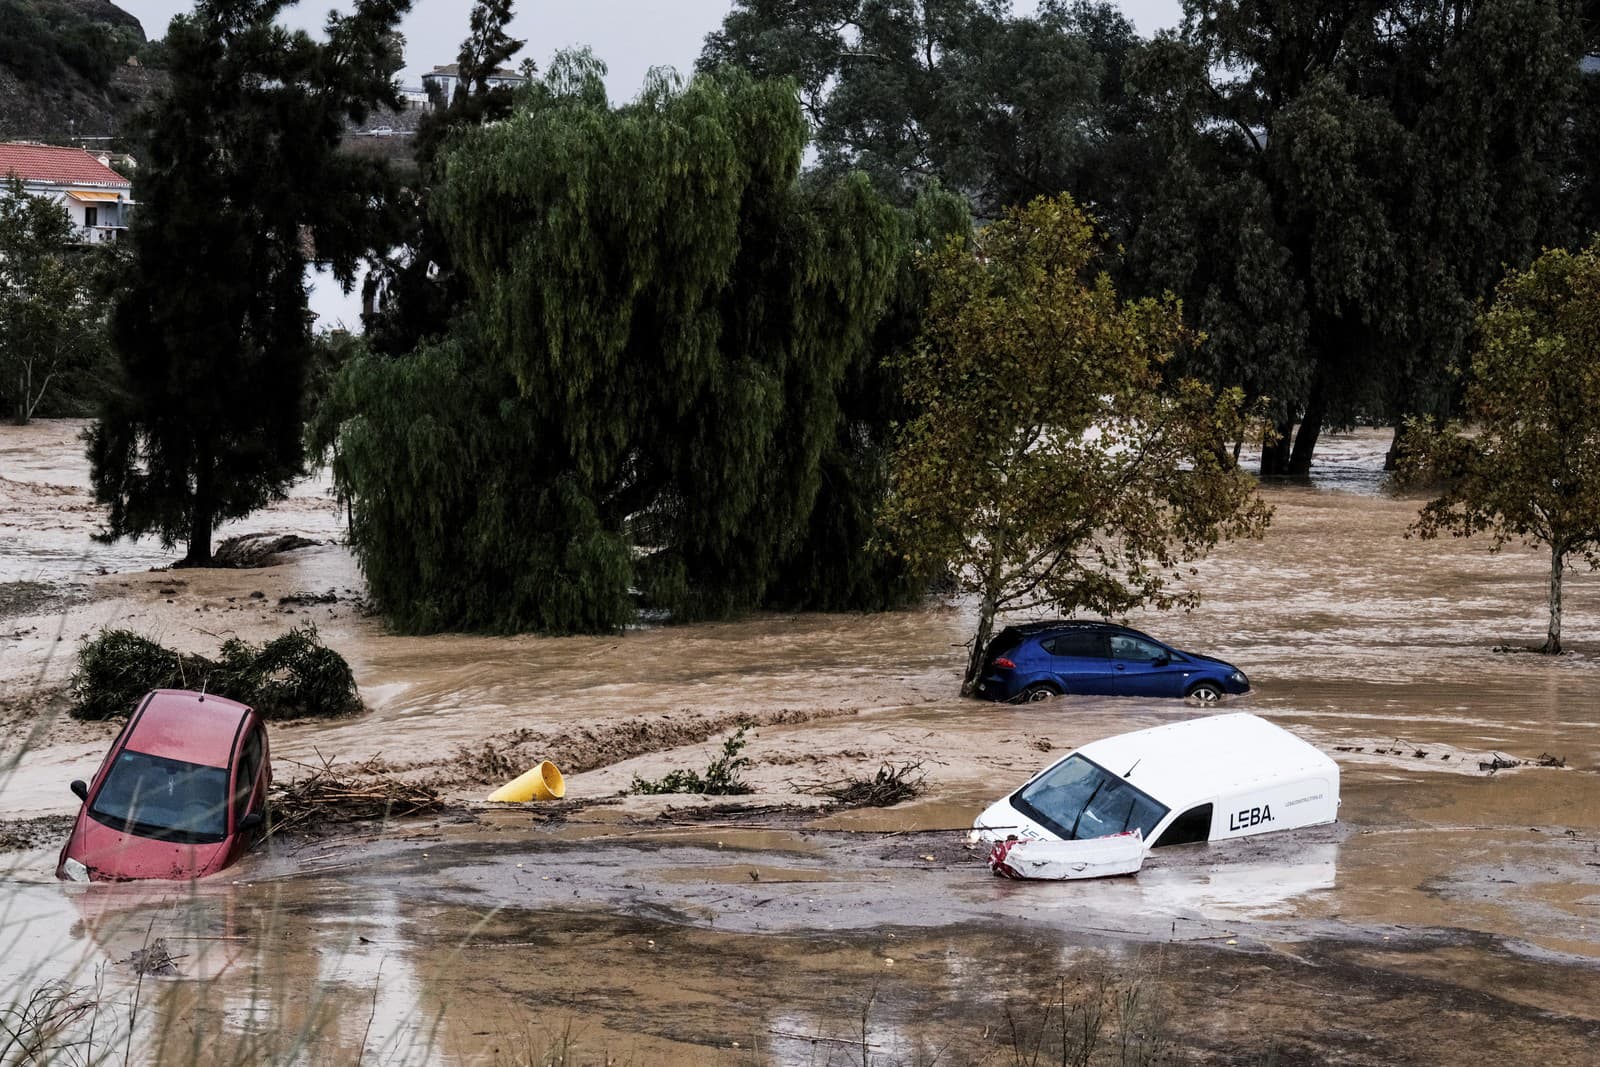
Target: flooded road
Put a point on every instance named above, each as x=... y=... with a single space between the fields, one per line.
x=1451 y=913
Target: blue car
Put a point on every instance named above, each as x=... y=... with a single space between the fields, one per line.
x=1045 y=659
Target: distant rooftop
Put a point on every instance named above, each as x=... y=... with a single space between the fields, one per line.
x=453 y=70
x=48 y=163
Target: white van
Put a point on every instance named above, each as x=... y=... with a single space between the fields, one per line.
x=1207 y=779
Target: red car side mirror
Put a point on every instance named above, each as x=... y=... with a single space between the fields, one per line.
x=80 y=788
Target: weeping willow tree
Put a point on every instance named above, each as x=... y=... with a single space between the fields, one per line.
x=645 y=382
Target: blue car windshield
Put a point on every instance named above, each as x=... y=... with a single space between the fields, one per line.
x=1078 y=799
x=167 y=799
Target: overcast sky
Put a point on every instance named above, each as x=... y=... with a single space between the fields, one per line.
x=631 y=36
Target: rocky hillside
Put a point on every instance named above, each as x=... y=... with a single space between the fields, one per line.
x=71 y=68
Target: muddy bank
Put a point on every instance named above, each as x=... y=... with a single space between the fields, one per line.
x=345 y=949
x=1451 y=914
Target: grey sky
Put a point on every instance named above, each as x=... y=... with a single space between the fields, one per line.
x=630 y=35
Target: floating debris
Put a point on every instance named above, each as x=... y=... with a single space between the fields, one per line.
x=154 y=960
x=892 y=784
x=358 y=792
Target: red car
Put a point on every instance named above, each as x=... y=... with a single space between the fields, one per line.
x=181 y=794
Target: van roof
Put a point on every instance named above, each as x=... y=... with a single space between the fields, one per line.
x=1187 y=763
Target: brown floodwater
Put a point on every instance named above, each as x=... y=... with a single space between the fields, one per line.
x=1449 y=913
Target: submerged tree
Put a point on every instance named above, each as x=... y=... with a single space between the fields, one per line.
x=242 y=177
x=1528 y=467
x=1336 y=185
x=645 y=376
x=1046 y=464
x=50 y=325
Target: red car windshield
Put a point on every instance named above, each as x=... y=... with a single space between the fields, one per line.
x=167 y=799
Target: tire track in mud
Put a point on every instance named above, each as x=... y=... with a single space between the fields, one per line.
x=586 y=748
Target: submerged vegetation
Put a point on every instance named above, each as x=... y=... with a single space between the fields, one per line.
x=669 y=324
x=292 y=676
x=1049 y=464
x=702 y=352
x=1527 y=465
x=721 y=777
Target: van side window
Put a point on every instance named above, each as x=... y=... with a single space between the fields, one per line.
x=1193 y=825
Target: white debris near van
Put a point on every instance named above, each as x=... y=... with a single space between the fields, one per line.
x=1099 y=811
x=1094 y=857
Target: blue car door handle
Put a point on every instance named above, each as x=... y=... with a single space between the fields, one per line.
x=1121 y=667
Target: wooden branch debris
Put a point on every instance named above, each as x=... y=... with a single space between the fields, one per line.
x=356 y=792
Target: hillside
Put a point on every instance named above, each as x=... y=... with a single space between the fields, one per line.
x=71 y=68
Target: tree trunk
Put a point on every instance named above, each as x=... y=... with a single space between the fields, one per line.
x=1275 y=456
x=1391 y=458
x=987 y=608
x=1552 y=640
x=980 y=642
x=199 y=554
x=1305 y=441
x=202 y=515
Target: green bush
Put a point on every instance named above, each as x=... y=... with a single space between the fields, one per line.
x=721 y=777
x=292 y=676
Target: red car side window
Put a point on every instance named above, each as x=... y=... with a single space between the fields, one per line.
x=246 y=771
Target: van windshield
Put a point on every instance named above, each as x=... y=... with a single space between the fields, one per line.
x=1077 y=798
x=167 y=799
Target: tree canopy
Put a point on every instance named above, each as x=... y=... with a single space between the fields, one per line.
x=1046 y=464
x=1340 y=183
x=1527 y=465
x=240 y=179
x=957 y=93
x=1330 y=187
x=51 y=327
x=645 y=377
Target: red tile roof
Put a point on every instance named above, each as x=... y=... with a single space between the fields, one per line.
x=64 y=166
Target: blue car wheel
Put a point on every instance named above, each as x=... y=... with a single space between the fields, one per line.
x=1205 y=692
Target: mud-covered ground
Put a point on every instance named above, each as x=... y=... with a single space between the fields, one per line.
x=1450 y=914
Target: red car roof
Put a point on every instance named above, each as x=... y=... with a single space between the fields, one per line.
x=178 y=724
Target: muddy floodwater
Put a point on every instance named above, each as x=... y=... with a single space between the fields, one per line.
x=1451 y=915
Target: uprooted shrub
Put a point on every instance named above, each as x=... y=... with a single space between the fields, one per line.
x=892 y=784
x=721 y=777
x=292 y=676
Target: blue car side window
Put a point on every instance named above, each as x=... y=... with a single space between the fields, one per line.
x=1080 y=645
x=1137 y=649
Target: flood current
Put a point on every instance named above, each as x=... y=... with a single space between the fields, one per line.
x=1450 y=913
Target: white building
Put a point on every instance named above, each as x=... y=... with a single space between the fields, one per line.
x=441 y=83
x=98 y=199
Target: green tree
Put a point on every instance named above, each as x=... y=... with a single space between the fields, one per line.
x=1338 y=183
x=241 y=176
x=955 y=93
x=643 y=381
x=1046 y=464
x=1527 y=464
x=50 y=325
x=413 y=290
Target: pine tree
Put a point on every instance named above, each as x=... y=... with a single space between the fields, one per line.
x=241 y=176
